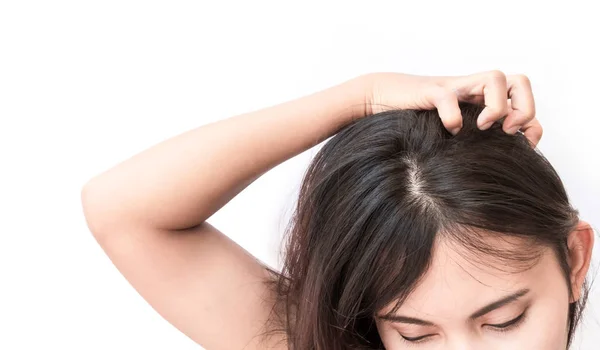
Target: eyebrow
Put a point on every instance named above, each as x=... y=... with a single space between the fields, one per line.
x=484 y=310
x=498 y=304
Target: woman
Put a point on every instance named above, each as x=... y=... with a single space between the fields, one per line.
x=428 y=221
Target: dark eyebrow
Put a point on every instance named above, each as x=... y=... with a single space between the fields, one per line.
x=484 y=310
x=405 y=319
x=498 y=304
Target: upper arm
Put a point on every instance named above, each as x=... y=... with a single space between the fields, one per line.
x=199 y=280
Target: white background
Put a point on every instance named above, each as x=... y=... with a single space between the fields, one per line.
x=86 y=84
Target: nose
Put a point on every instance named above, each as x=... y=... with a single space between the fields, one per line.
x=464 y=343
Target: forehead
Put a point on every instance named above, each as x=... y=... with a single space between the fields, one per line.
x=461 y=277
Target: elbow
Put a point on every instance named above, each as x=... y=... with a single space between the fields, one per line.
x=94 y=210
x=102 y=213
x=87 y=204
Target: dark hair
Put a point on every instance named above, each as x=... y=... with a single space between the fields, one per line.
x=373 y=201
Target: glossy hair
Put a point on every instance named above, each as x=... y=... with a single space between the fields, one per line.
x=377 y=196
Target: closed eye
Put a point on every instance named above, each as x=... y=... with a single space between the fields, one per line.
x=502 y=327
x=510 y=323
x=417 y=339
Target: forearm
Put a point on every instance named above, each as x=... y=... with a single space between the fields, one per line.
x=182 y=181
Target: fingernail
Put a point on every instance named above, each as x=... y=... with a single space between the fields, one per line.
x=485 y=126
x=454 y=131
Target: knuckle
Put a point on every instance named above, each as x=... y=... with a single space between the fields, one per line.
x=496 y=75
x=529 y=114
x=523 y=80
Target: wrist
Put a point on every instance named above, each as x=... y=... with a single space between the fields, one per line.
x=357 y=92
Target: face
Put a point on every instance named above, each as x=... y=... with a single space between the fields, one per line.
x=462 y=304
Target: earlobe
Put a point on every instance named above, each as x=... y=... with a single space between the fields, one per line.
x=580 y=243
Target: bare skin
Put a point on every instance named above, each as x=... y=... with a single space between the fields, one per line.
x=479 y=302
x=148 y=213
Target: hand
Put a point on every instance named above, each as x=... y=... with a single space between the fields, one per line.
x=503 y=96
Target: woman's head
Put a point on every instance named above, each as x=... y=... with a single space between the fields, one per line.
x=405 y=235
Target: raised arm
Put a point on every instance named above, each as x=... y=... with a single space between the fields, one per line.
x=148 y=213
x=179 y=183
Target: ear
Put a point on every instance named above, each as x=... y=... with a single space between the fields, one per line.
x=580 y=243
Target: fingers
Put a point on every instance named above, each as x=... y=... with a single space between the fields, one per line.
x=522 y=103
x=495 y=93
x=508 y=99
x=533 y=131
x=446 y=102
x=494 y=89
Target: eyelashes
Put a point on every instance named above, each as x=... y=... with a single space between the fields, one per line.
x=507 y=326
x=502 y=327
x=416 y=339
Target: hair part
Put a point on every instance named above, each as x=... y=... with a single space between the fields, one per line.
x=377 y=197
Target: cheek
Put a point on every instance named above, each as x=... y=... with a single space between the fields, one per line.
x=550 y=328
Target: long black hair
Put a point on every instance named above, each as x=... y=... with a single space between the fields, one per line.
x=378 y=194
